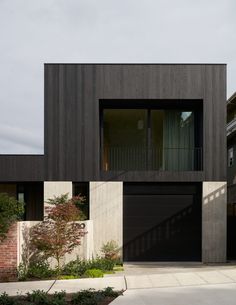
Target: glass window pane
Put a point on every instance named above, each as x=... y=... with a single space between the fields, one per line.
x=178 y=140
x=124 y=139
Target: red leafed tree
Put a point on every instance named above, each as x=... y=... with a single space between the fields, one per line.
x=60 y=232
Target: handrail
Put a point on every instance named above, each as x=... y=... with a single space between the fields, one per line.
x=231 y=126
x=151 y=158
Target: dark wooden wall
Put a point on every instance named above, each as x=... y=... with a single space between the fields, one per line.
x=72 y=132
x=72 y=94
x=21 y=168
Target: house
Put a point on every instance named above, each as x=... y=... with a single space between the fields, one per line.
x=231 y=175
x=146 y=143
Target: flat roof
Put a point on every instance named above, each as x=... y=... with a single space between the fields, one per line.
x=187 y=64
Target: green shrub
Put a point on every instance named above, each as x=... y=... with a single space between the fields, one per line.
x=78 y=267
x=93 y=273
x=87 y=297
x=6 y=300
x=11 y=210
x=58 y=298
x=111 y=250
x=68 y=277
x=38 y=297
x=40 y=270
x=22 y=272
x=109 y=292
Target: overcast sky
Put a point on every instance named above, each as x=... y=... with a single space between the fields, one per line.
x=34 y=32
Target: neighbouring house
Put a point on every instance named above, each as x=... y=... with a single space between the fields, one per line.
x=146 y=143
x=231 y=176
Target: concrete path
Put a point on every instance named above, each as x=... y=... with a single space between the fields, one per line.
x=68 y=285
x=220 y=294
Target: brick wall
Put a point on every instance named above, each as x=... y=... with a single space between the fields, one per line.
x=8 y=255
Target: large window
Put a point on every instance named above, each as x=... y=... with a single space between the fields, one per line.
x=151 y=139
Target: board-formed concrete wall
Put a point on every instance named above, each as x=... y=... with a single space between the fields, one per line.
x=214 y=221
x=83 y=251
x=56 y=188
x=106 y=212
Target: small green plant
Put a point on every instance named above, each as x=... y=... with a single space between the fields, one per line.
x=22 y=272
x=93 y=273
x=11 y=210
x=6 y=300
x=37 y=270
x=110 y=250
x=58 y=298
x=109 y=292
x=87 y=297
x=40 y=270
x=68 y=277
x=78 y=267
x=38 y=297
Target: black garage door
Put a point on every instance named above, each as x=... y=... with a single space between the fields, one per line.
x=162 y=222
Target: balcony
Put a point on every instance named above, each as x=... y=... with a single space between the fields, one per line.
x=231 y=127
x=139 y=158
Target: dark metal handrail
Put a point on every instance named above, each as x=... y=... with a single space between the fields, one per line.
x=139 y=158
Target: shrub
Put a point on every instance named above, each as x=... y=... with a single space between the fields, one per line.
x=78 y=267
x=111 y=250
x=59 y=233
x=58 y=298
x=67 y=277
x=87 y=297
x=109 y=292
x=11 y=210
x=6 y=300
x=93 y=273
x=40 y=270
x=39 y=297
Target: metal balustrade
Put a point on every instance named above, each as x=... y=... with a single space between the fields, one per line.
x=140 y=158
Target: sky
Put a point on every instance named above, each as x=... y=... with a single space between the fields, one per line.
x=114 y=31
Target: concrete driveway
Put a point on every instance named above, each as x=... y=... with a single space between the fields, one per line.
x=176 y=284
x=220 y=294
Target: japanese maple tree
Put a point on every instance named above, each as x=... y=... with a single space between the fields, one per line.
x=60 y=232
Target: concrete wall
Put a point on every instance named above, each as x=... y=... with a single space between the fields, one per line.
x=83 y=251
x=106 y=211
x=56 y=188
x=214 y=222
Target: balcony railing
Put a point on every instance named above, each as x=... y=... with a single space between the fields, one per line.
x=138 y=158
x=231 y=126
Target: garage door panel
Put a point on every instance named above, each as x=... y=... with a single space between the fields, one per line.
x=162 y=227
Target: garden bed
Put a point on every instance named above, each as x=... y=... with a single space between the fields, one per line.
x=76 y=269
x=84 y=297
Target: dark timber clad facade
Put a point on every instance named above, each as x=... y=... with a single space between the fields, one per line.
x=72 y=94
x=77 y=97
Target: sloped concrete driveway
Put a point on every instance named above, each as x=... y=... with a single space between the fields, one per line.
x=220 y=294
x=173 y=284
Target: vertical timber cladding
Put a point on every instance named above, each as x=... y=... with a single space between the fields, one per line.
x=72 y=131
x=162 y=222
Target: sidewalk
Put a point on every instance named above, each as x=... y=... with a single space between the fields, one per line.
x=219 y=275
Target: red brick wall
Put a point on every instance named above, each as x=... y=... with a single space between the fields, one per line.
x=8 y=255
